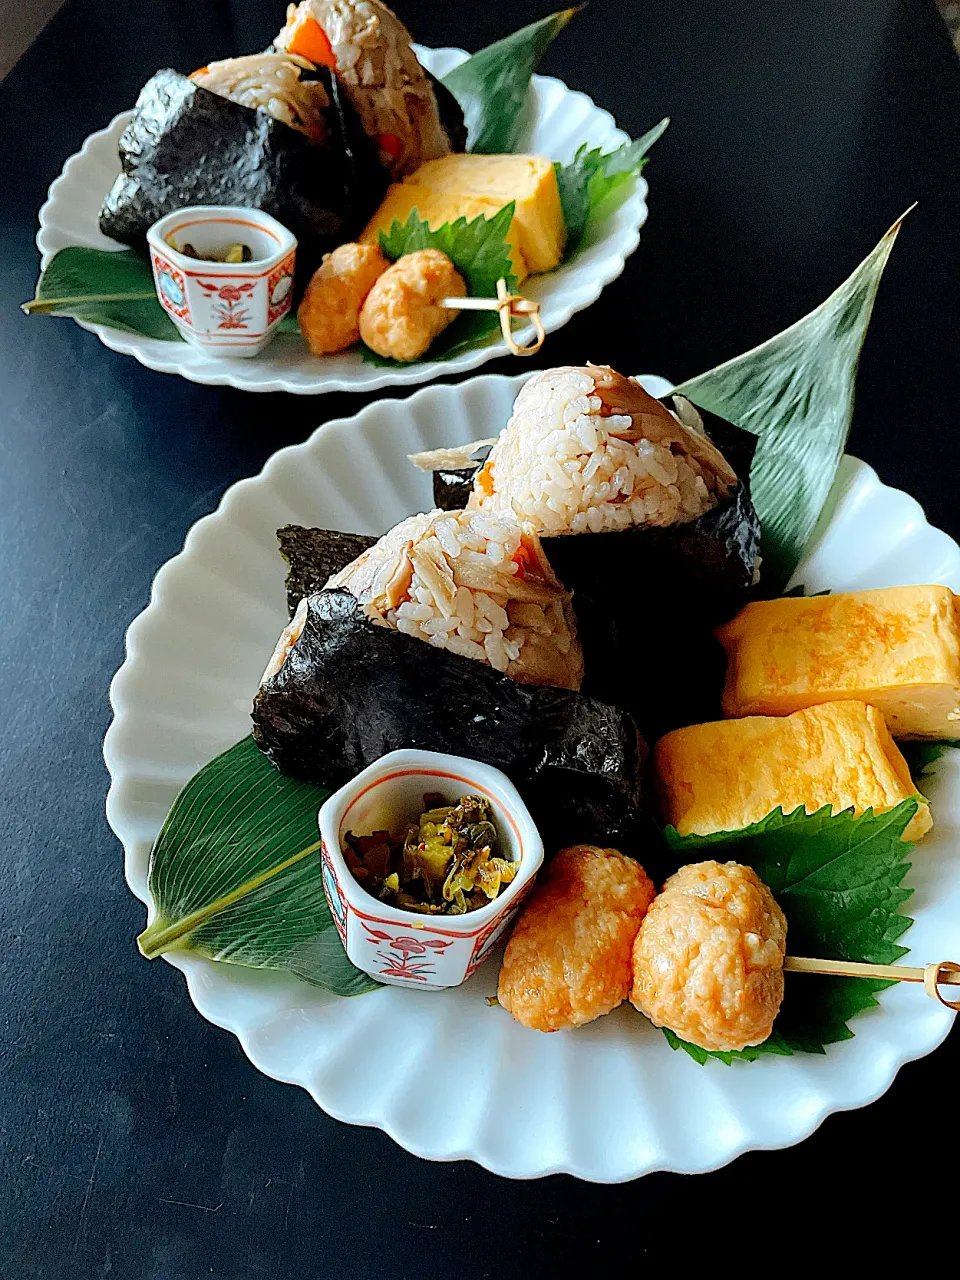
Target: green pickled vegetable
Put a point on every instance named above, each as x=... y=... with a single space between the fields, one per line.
x=446 y=864
x=233 y=253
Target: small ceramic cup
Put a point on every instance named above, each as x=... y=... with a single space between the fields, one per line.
x=225 y=308
x=404 y=948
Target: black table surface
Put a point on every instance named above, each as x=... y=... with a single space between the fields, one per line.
x=137 y=1141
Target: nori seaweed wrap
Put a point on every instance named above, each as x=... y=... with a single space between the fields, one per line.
x=313 y=556
x=646 y=596
x=342 y=691
x=189 y=146
x=647 y=601
x=452 y=486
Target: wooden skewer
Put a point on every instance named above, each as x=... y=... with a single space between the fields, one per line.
x=508 y=305
x=933 y=976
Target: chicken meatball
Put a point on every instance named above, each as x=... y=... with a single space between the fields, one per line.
x=329 y=314
x=708 y=959
x=568 y=960
x=400 y=317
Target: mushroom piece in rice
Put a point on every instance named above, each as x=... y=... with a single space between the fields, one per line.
x=477 y=585
x=589 y=451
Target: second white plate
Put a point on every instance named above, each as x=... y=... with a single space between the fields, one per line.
x=609 y=1101
x=562 y=121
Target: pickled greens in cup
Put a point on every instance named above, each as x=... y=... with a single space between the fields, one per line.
x=445 y=864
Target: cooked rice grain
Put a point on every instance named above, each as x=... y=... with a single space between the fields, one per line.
x=587 y=451
x=477 y=585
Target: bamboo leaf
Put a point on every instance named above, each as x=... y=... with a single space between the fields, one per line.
x=235 y=875
x=103 y=287
x=795 y=392
x=493 y=86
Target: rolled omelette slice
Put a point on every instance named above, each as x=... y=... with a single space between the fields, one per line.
x=897 y=648
x=466 y=186
x=725 y=775
x=437 y=208
x=529 y=181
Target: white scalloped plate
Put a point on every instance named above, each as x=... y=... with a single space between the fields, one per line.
x=610 y=1101
x=562 y=121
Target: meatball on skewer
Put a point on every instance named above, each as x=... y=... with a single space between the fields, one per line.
x=402 y=315
x=708 y=957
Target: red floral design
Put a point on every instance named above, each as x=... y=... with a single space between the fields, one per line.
x=232 y=315
x=401 y=964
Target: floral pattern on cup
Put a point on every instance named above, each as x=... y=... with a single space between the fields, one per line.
x=400 y=955
x=229 y=302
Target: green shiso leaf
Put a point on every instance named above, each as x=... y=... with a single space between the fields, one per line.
x=103 y=287
x=922 y=756
x=236 y=875
x=839 y=881
x=773 y=1045
x=795 y=392
x=480 y=252
x=595 y=183
x=478 y=249
x=493 y=86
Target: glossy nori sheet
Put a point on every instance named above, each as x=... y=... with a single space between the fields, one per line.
x=350 y=691
x=313 y=556
x=647 y=599
x=187 y=146
x=452 y=486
